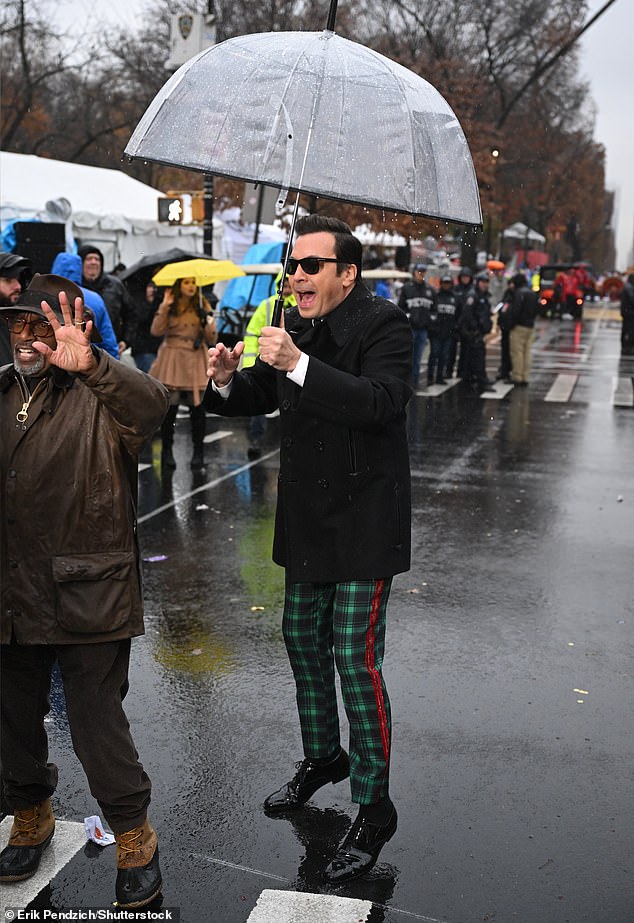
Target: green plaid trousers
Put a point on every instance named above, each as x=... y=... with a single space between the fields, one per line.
x=342 y=624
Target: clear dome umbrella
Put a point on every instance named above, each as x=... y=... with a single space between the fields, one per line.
x=315 y=113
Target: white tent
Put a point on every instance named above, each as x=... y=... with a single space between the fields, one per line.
x=368 y=237
x=238 y=237
x=520 y=231
x=107 y=207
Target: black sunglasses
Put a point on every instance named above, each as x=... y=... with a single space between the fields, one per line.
x=310 y=264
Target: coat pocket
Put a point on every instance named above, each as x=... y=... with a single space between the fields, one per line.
x=95 y=592
x=356 y=457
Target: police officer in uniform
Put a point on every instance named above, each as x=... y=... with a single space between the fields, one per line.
x=442 y=325
x=475 y=324
x=462 y=288
x=417 y=299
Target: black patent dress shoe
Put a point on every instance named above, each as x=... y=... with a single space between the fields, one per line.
x=20 y=862
x=307 y=780
x=136 y=887
x=359 y=849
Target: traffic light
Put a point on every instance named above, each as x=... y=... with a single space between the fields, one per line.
x=170 y=209
x=198 y=208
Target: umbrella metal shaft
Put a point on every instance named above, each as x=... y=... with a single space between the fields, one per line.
x=277 y=310
x=332 y=15
x=279 y=304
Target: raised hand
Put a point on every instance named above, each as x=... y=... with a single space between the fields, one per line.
x=72 y=352
x=223 y=362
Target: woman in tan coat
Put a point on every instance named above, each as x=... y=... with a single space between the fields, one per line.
x=185 y=321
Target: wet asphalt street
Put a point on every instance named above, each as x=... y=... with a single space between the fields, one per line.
x=508 y=662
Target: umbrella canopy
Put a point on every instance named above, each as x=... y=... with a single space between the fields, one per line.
x=205 y=272
x=317 y=113
x=141 y=272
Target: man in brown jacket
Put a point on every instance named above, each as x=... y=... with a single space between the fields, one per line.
x=72 y=421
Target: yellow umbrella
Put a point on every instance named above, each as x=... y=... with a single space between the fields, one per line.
x=205 y=272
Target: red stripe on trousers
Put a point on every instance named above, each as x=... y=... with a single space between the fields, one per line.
x=374 y=673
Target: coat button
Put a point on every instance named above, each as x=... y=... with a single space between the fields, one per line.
x=319 y=446
x=12 y=472
x=286 y=405
x=13 y=563
x=288 y=441
x=68 y=568
x=323 y=483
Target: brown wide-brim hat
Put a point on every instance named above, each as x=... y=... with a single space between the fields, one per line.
x=47 y=288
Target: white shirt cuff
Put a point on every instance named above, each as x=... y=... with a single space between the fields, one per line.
x=224 y=390
x=298 y=375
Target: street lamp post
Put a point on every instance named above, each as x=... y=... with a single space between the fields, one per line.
x=495 y=153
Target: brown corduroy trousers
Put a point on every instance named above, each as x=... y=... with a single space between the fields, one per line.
x=95 y=678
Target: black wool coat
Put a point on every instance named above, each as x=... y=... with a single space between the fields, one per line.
x=343 y=510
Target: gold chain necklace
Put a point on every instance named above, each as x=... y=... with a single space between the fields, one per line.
x=23 y=415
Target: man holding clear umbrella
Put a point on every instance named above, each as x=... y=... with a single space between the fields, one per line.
x=339 y=374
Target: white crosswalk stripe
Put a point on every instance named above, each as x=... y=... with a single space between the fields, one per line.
x=289 y=906
x=562 y=388
x=286 y=906
x=500 y=390
x=69 y=838
x=220 y=434
x=436 y=390
x=623 y=392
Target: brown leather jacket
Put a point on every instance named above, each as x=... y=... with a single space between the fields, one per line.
x=69 y=558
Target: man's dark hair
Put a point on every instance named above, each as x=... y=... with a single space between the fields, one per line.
x=348 y=249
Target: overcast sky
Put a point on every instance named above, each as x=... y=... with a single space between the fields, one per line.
x=606 y=62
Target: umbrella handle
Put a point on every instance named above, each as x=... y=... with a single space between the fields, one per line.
x=277 y=310
x=279 y=304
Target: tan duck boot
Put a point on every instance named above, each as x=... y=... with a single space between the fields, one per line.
x=32 y=831
x=138 y=873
